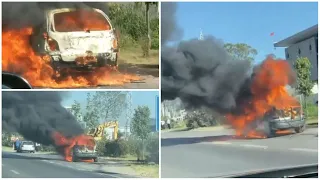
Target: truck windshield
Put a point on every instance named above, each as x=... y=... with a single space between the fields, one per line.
x=80 y=20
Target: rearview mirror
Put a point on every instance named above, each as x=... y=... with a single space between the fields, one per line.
x=14 y=81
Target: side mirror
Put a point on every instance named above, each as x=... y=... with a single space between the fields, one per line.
x=13 y=81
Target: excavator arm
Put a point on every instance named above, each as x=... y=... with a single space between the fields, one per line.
x=98 y=132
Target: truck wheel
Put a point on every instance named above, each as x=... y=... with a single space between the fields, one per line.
x=95 y=159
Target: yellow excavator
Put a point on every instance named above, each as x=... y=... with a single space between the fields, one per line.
x=98 y=132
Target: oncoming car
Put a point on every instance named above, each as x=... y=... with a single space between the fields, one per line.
x=26 y=146
x=77 y=39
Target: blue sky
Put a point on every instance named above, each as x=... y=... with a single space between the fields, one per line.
x=247 y=22
x=147 y=98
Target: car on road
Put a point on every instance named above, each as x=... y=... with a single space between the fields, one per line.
x=84 y=152
x=26 y=146
x=281 y=119
x=77 y=39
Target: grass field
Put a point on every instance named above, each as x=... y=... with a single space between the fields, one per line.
x=134 y=56
x=142 y=170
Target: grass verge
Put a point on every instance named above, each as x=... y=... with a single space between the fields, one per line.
x=134 y=56
x=7 y=149
x=311 y=121
x=145 y=170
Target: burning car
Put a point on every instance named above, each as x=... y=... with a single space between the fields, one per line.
x=280 y=119
x=78 y=39
x=84 y=152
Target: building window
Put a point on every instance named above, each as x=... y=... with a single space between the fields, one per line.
x=288 y=56
x=310 y=47
x=299 y=51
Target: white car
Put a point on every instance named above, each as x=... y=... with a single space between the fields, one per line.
x=78 y=39
x=26 y=146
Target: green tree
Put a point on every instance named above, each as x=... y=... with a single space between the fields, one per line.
x=91 y=118
x=140 y=126
x=120 y=134
x=304 y=82
x=241 y=51
x=109 y=105
x=76 y=110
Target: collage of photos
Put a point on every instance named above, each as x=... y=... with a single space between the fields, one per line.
x=86 y=92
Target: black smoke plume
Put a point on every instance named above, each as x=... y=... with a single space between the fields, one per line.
x=169 y=30
x=37 y=115
x=201 y=72
x=16 y=15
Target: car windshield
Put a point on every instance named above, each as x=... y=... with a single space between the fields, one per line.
x=80 y=20
x=27 y=143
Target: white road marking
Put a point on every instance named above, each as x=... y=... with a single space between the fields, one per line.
x=221 y=142
x=14 y=171
x=106 y=174
x=254 y=146
x=304 y=149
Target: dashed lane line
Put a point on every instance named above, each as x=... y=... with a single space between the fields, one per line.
x=254 y=146
x=304 y=149
x=15 y=172
x=221 y=142
x=81 y=169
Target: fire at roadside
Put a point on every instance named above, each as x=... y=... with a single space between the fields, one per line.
x=39 y=117
x=18 y=55
x=201 y=73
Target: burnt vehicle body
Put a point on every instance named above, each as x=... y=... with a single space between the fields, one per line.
x=84 y=152
x=280 y=119
x=64 y=41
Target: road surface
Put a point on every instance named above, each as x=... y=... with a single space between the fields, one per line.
x=25 y=165
x=219 y=153
x=149 y=75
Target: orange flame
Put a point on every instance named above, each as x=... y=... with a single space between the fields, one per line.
x=18 y=56
x=80 y=20
x=269 y=90
x=68 y=144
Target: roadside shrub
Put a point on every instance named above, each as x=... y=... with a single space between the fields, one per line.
x=312 y=110
x=152 y=149
x=129 y=19
x=100 y=148
x=118 y=148
x=203 y=118
x=44 y=148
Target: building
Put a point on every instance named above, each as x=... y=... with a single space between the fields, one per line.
x=303 y=44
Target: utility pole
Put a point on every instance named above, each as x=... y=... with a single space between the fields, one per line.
x=201 y=35
x=128 y=113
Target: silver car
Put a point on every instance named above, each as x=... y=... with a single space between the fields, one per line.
x=26 y=146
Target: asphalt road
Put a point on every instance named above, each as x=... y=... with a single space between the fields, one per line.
x=219 y=153
x=149 y=75
x=26 y=165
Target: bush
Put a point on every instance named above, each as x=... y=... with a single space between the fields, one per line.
x=203 y=118
x=311 y=110
x=130 y=21
x=152 y=149
x=48 y=148
x=100 y=148
x=6 y=139
x=118 y=148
